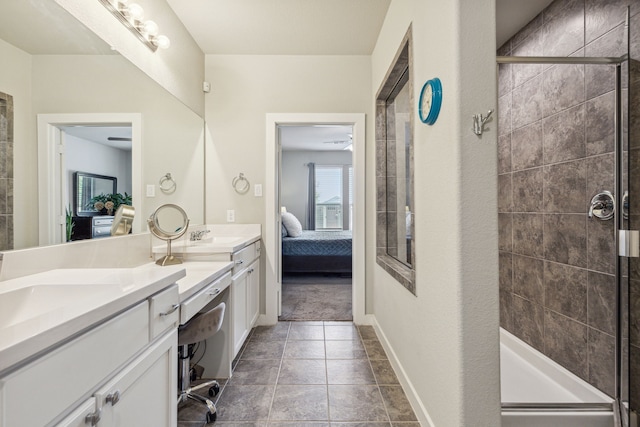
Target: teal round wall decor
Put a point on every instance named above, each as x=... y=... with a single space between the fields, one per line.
x=430 y=101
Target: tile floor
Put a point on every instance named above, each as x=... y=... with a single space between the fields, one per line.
x=310 y=374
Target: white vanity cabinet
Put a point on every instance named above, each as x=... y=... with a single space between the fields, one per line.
x=245 y=294
x=141 y=393
x=132 y=353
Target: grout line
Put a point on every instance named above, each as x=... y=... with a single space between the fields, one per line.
x=275 y=386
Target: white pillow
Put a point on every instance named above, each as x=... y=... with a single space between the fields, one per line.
x=291 y=223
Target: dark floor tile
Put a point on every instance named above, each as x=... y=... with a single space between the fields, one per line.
x=298 y=424
x=398 y=407
x=245 y=403
x=374 y=349
x=191 y=424
x=306 y=332
x=356 y=403
x=303 y=371
x=304 y=350
x=365 y=424
x=264 y=350
x=352 y=371
x=367 y=332
x=346 y=332
x=255 y=372
x=278 y=332
x=234 y=424
x=345 y=350
x=300 y=403
x=383 y=371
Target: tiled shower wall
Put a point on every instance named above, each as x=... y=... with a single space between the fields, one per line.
x=6 y=171
x=555 y=151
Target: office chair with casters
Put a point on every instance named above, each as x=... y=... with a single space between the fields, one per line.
x=199 y=328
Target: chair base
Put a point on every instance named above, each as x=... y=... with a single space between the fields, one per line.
x=214 y=389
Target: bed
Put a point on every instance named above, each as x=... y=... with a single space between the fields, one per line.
x=317 y=252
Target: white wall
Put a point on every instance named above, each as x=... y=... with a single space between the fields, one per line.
x=293 y=189
x=15 y=79
x=246 y=88
x=446 y=337
x=82 y=155
x=179 y=69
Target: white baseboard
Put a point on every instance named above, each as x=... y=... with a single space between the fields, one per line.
x=405 y=382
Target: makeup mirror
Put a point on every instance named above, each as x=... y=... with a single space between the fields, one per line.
x=168 y=222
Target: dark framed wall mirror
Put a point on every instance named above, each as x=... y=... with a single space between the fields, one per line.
x=88 y=185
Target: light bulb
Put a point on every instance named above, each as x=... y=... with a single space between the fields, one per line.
x=161 y=41
x=150 y=28
x=136 y=12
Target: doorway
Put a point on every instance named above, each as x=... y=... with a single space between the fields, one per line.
x=273 y=204
x=53 y=180
x=316 y=196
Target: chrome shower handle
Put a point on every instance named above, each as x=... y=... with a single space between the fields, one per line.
x=602 y=206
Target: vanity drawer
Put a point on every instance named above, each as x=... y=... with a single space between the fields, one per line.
x=70 y=374
x=244 y=256
x=191 y=306
x=164 y=311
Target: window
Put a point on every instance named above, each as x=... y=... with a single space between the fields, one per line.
x=330 y=203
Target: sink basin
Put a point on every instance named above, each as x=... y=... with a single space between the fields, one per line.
x=217 y=240
x=25 y=303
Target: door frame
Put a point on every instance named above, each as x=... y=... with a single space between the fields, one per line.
x=52 y=198
x=272 y=236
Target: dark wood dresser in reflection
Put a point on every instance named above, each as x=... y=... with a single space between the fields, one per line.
x=91 y=227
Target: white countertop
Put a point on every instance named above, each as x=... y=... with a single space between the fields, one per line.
x=219 y=239
x=41 y=310
x=199 y=275
x=115 y=290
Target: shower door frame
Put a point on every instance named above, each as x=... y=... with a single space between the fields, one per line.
x=619 y=406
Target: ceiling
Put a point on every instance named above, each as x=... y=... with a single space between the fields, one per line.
x=283 y=27
x=315 y=137
x=320 y=27
x=511 y=15
x=101 y=135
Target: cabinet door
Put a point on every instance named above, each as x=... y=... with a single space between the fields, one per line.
x=253 y=293
x=144 y=392
x=239 y=303
x=78 y=418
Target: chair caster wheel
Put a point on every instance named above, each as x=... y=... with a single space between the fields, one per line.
x=214 y=390
x=211 y=417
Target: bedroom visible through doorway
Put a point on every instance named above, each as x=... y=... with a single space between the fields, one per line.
x=316 y=207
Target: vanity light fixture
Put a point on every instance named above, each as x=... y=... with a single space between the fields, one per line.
x=131 y=15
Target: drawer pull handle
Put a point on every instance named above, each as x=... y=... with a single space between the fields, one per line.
x=215 y=292
x=93 y=418
x=113 y=398
x=174 y=307
x=239 y=262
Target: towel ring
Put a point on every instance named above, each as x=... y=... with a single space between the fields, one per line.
x=167 y=184
x=240 y=184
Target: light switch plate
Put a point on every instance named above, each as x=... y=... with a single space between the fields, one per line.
x=231 y=215
x=257 y=190
x=151 y=190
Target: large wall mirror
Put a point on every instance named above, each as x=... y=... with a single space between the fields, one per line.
x=394 y=171
x=53 y=65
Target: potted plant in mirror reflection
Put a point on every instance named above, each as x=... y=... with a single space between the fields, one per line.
x=106 y=204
